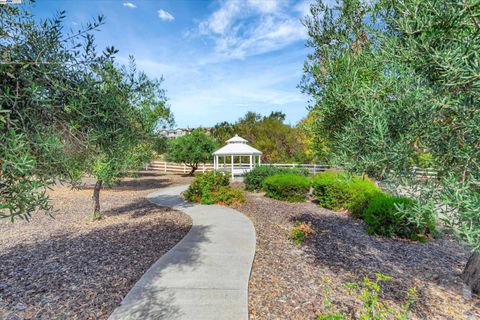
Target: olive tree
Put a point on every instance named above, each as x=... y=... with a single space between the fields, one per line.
x=126 y=108
x=38 y=74
x=191 y=149
x=440 y=42
x=67 y=110
x=394 y=79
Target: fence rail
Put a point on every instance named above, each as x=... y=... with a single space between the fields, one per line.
x=182 y=168
x=240 y=168
x=176 y=167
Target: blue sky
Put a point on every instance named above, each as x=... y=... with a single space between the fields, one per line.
x=219 y=59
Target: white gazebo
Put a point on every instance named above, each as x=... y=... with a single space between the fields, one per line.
x=236 y=147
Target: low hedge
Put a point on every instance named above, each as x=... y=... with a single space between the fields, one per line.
x=288 y=187
x=229 y=196
x=337 y=191
x=394 y=216
x=254 y=178
x=211 y=188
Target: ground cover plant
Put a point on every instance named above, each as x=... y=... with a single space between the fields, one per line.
x=287 y=187
x=300 y=232
x=370 y=305
x=254 y=178
x=213 y=188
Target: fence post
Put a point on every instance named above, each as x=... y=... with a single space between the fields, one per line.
x=184 y=168
x=203 y=168
x=314 y=169
x=165 y=167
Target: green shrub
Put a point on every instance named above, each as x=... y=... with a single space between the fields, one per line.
x=391 y=216
x=369 y=302
x=289 y=187
x=211 y=188
x=254 y=179
x=337 y=191
x=229 y=196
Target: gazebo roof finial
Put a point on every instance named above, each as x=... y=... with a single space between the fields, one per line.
x=236 y=139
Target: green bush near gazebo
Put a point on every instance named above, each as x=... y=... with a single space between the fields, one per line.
x=254 y=179
x=288 y=187
x=213 y=188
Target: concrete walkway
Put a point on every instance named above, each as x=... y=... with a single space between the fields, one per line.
x=205 y=276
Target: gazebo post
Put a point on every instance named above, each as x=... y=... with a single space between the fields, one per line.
x=259 y=160
x=251 y=162
x=224 y=163
x=233 y=174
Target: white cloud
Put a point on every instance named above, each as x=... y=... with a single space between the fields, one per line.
x=244 y=28
x=266 y=6
x=129 y=5
x=165 y=15
x=221 y=19
x=208 y=94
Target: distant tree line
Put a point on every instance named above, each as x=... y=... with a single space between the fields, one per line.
x=279 y=142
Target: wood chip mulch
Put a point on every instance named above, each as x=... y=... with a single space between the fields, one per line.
x=69 y=268
x=288 y=281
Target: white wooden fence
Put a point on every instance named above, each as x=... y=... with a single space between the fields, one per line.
x=176 y=167
x=239 y=168
x=182 y=168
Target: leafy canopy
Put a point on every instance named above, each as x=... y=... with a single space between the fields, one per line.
x=191 y=149
x=392 y=80
x=66 y=110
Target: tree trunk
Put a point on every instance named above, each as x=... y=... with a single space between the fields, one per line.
x=471 y=273
x=97 y=215
x=194 y=168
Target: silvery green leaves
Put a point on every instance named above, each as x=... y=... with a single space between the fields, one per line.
x=66 y=110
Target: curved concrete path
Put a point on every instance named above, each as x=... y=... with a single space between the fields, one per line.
x=205 y=276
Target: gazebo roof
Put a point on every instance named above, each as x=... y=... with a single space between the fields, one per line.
x=237 y=139
x=237 y=146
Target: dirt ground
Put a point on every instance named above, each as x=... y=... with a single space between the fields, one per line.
x=288 y=281
x=67 y=267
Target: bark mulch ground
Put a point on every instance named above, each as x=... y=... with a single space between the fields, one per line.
x=70 y=268
x=288 y=281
